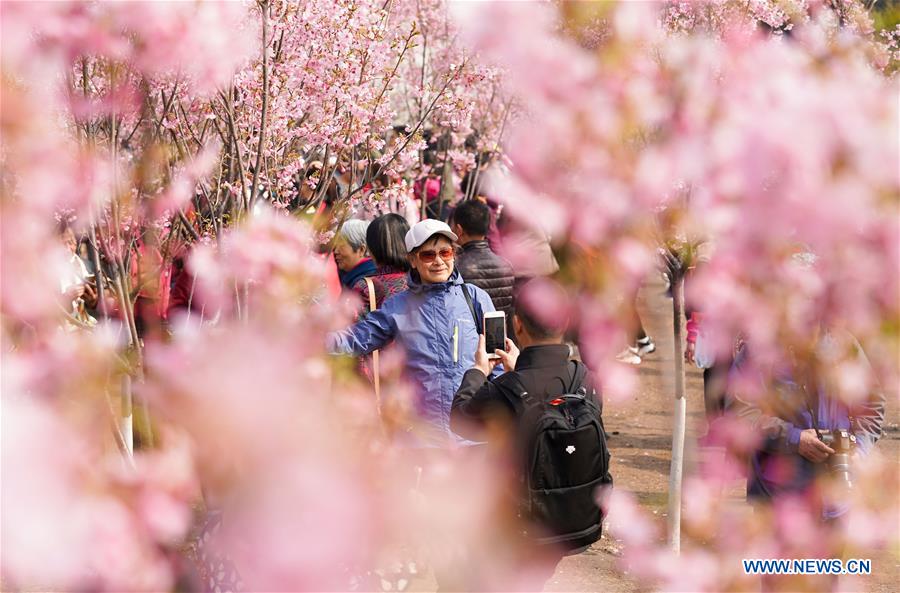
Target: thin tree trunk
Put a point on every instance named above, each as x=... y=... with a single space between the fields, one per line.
x=470 y=191
x=676 y=469
x=238 y=160
x=254 y=190
x=424 y=214
x=126 y=424
x=447 y=190
x=127 y=416
x=237 y=301
x=98 y=270
x=503 y=125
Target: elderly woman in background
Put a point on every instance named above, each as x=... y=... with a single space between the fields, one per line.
x=350 y=253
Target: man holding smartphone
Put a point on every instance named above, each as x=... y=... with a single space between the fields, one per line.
x=485 y=408
x=543 y=362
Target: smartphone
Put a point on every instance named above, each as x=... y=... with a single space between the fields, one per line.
x=494 y=332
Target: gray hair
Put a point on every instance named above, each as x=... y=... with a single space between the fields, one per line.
x=354 y=233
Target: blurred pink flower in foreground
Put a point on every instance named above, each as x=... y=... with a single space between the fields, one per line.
x=759 y=146
x=288 y=446
x=76 y=516
x=765 y=147
x=202 y=43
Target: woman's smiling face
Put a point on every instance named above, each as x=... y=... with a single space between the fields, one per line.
x=434 y=260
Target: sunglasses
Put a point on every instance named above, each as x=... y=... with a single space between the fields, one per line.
x=428 y=256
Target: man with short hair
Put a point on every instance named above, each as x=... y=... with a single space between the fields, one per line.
x=476 y=262
x=538 y=378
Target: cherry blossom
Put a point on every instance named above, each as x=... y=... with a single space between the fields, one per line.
x=206 y=130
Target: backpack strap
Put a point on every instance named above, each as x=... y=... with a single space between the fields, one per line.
x=579 y=372
x=375 y=375
x=465 y=289
x=511 y=385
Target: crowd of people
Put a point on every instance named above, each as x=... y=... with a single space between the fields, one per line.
x=428 y=286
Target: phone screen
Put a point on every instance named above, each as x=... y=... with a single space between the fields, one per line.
x=494 y=334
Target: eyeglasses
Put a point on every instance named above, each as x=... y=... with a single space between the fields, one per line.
x=427 y=257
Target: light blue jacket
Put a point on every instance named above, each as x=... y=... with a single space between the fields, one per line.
x=434 y=325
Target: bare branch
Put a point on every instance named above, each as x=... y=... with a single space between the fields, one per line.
x=254 y=190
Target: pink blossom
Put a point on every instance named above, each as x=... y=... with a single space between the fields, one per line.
x=628 y=522
x=74 y=525
x=547 y=302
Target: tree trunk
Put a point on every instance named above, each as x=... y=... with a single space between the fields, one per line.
x=448 y=192
x=254 y=189
x=126 y=419
x=677 y=467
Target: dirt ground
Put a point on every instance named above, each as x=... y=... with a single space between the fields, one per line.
x=640 y=444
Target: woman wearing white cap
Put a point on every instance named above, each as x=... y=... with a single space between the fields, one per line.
x=434 y=322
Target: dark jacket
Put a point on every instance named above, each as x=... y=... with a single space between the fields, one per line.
x=488 y=271
x=544 y=370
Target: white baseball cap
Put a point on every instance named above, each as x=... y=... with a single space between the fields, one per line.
x=424 y=230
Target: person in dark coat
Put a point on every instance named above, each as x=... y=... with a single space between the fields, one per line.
x=472 y=187
x=481 y=410
x=477 y=263
x=543 y=365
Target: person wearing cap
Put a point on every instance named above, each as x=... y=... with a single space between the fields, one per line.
x=434 y=324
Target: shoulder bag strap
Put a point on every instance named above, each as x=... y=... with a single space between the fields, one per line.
x=372 y=306
x=578 y=375
x=513 y=388
x=465 y=289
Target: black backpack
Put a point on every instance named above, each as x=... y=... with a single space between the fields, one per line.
x=565 y=461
